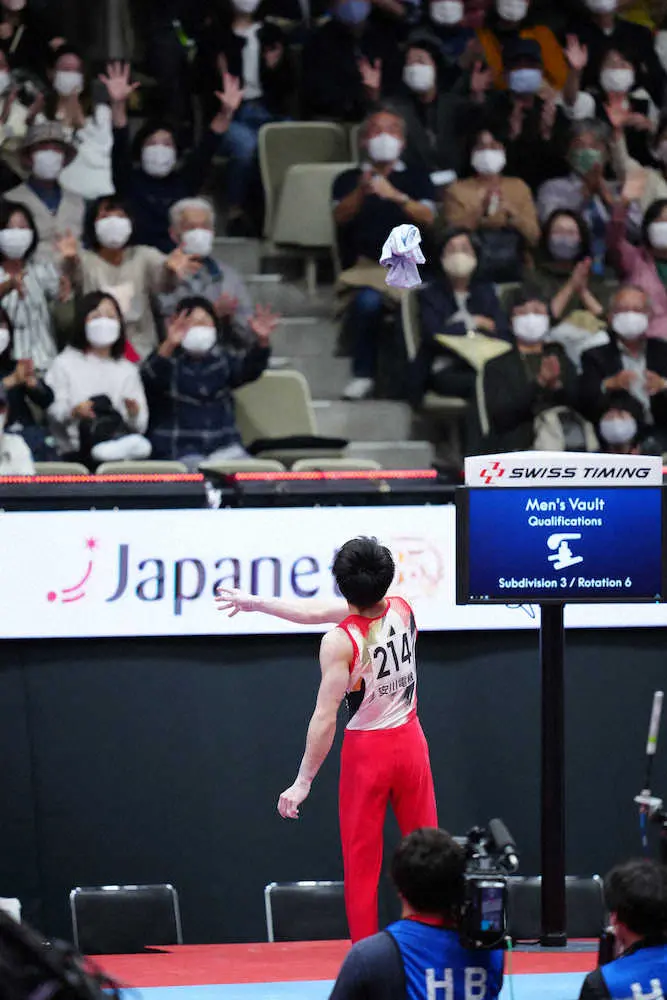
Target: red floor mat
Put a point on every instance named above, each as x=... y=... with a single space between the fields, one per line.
x=216 y=964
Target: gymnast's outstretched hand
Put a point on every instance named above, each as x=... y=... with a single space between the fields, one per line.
x=292 y=797
x=232 y=600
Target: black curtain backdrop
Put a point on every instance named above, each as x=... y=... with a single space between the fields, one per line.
x=128 y=761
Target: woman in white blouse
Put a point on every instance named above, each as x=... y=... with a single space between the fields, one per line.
x=93 y=365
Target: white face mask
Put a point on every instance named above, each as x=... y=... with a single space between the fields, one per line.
x=531 y=327
x=419 y=77
x=103 y=331
x=113 y=231
x=630 y=325
x=67 y=82
x=4 y=339
x=488 y=161
x=199 y=339
x=47 y=164
x=5 y=81
x=384 y=148
x=447 y=11
x=158 y=161
x=618 y=430
x=617 y=81
x=657 y=234
x=246 y=6
x=601 y=6
x=512 y=10
x=198 y=242
x=459 y=264
x=14 y=243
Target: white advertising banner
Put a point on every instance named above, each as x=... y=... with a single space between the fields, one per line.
x=154 y=573
x=546 y=468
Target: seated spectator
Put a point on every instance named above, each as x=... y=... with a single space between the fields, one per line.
x=511 y=20
x=520 y=386
x=411 y=954
x=535 y=129
x=189 y=382
x=586 y=190
x=455 y=304
x=153 y=185
x=621 y=424
x=636 y=898
x=348 y=62
x=130 y=273
x=619 y=99
x=14 y=117
x=369 y=201
x=654 y=178
x=28 y=396
x=630 y=362
x=498 y=209
x=25 y=36
x=431 y=113
x=45 y=152
x=600 y=30
x=448 y=22
x=254 y=52
x=28 y=286
x=192 y=228
x=645 y=265
x=563 y=272
x=89 y=173
x=15 y=456
x=99 y=413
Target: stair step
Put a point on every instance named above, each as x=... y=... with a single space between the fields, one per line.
x=366 y=420
x=326 y=376
x=245 y=255
x=394 y=454
x=290 y=298
x=306 y=336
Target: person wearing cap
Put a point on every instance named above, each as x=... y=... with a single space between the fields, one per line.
x=44 y=153
x=15 y=455
x=506 y=23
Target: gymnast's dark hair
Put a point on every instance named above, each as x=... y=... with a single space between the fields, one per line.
x=31 y=966
x=363 y=570
x=427 y=870
x=636 y=892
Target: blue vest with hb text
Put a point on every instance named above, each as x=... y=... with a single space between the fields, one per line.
x=438 y=967
x=642 y=973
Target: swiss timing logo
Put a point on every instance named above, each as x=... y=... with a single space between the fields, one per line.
x=67 y=595
x=492 y=474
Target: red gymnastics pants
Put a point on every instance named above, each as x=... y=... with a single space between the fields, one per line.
x=377 y=767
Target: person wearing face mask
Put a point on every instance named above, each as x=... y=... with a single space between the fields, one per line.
x=630 y=362
x=456 y=304
x=189 y=382
x=498 y=209
x=15 y=455
x=154 y=183
x=25 y=36
x=644 y=265
x=349 y=62
x=14 y=118
x=131 y=274
x=45 y=152
x=91 y=378
x=369 y=201
x=654 y=187
x=449 y=22
x=636 y=900
x=510 y=20
x=28 y=396
x=87 y=128
x=192 y=228
x=621 y=425
x=600 y=30
x=533 y=377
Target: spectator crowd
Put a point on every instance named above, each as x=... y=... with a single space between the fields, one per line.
x=526 y=140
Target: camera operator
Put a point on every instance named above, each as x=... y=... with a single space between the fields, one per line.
x=421 y=956
x=636 y=896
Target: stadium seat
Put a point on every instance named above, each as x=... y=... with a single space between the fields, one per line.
x=149 y=467
x=61 y=469
x=242 y=465
x=282 y=144
x=355 y=152
x=124 y=919
x=335 y=465
x=444 y=407
x=305 y=911
x=303 y=214
x=585 y=907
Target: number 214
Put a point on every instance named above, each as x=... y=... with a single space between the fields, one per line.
x=380 y=653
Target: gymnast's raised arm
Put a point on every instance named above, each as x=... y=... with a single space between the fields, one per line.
x=304 y=611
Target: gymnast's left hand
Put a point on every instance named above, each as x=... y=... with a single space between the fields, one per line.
x=292 y=797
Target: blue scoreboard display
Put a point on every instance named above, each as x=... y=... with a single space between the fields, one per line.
x=518 y=545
